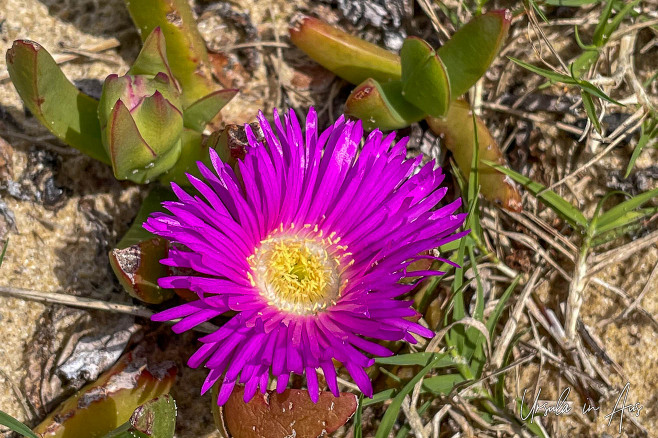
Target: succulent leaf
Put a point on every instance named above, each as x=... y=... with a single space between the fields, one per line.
x=105 y=404
x=347 y=56
x=55 y=102
x=424 y=79
x=201 y=112
x=186 y=50
x=141 y=124
x=456 y=131
x=153 y=419
x=152 y=59
x=470 y=51
x=136 y=259
x=382 y=106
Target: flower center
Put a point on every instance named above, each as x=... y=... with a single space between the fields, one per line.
x=296 y=274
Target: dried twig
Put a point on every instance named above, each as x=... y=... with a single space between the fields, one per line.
x=89 y=304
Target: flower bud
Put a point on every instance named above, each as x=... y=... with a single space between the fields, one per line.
x=141 y=125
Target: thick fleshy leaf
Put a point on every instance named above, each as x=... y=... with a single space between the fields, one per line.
x=160 y=124
x=135 y=260
x=133 y=158
x=470 y=51
x=55 y=102
x=347 y=56
x=138 y=269
x=152 y=59
x=153 y=419
x=104 y=405
x=424 y=79
x=381 y=105
x=193 y=148
x=151 y=203
x=201 y=112
x=186 y=50
x=457 y=132
x=291 y=413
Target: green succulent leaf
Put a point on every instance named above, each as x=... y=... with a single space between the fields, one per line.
x=55 y=102
x=186 y=51
x=152 y=59
x=458 y=132
x=201 y=112
x=424 y=79
x=470 y=51
x=136 y=259
x=153 y=419
x=381 y=105
x=347 y=56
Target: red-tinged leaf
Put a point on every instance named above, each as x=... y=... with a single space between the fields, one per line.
x=381 y=106
x=186 y=50
x=456 y=132
x=291 y=413
x=347 y=56
x=152 y=59
x=55 y=102
x=470 y=51
x=138 y=269
x=102 y=406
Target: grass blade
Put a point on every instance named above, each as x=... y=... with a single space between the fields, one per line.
x=419 y=359
x=4 y=251
x=619 y=214
x=14 y=424
x=590 y=109
x=498 y=310
x=391 y=414
x=558 y=204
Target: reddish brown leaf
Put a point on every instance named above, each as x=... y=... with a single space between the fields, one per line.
x=291 y=413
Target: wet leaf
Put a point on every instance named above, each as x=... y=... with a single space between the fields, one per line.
x=55 y=102
x=457 y=132
x=291 y=413
x=104 y=405
x=381 y=106
x=154 y=419
x=470 y=51
x=424 y=79
x=347 y=56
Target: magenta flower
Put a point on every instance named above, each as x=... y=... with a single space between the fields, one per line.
x=305 y=245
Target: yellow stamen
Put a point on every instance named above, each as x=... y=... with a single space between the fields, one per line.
x=297 y=273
